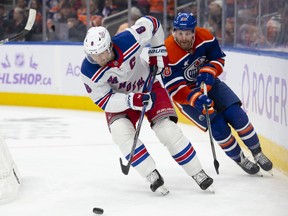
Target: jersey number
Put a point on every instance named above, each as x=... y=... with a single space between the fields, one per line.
x=132 y=62
x=141 y=29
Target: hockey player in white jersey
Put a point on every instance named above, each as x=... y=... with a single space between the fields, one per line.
x=115 y=76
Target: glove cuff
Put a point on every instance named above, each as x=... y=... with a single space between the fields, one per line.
x=210 y=70
x=192 y=97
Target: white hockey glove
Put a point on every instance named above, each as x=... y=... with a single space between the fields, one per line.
x=136 y=101
x=158 y=57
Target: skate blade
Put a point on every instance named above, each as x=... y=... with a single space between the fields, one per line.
x=211 y=189
x=163 y=190
x=261 y=174
x=270 y=172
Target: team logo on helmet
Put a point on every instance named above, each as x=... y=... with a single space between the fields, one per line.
x=102 y=34
x=183 y=19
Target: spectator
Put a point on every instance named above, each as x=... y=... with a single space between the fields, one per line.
x=57 y=27
x=19 y=4
x=53 y=8
x=273 y=28
x=3 y=20
x=18 y=23
x=284 y=25
x=65 y=10
x=157 y=8
x=215 y=8
x=249 y=36
x=229 y=31
x=214 y=22
x=82 y=12
x=76 y=4
x=37 y=27
x=96 y=20
x=143 y=5
x=51 y=33
x=109 y=8
x=76 y=29
x=135 y=14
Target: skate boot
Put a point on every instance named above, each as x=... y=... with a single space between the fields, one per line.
x=157 y=183
x=263 y=161
x=248 y=166
x=203 y=180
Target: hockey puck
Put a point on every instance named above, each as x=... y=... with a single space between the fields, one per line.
x=98 y=210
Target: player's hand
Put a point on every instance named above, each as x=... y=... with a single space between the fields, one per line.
x=136 y=101
x=207 y=75
x=158 y=57
x=199 y=101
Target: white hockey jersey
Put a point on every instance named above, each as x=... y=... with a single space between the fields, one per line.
x=128 y=72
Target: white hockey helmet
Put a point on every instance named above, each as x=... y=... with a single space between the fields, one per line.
x=97 y=40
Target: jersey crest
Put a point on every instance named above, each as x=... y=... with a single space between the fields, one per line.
x=191 y=72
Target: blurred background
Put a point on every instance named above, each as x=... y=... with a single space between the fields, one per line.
x=252 y=24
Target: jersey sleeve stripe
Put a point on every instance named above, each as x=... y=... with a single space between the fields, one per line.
x=173 y=93
x=179 y=59
x=131 y=51
x=155 y=23
x=205 y=41
x=219 y=62
x=99 y=73
x=104 y=100
x=174 y=84
x=173 y=81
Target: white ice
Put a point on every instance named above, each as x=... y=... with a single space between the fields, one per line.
x=69 y=164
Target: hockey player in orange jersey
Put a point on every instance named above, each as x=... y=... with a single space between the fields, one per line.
x=195 y=57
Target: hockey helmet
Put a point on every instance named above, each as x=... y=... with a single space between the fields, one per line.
x=97 y=40
x=184 y=21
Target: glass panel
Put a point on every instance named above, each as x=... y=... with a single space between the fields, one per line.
x=253 y=24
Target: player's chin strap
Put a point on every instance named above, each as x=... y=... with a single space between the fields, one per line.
x=216 y=163
x=125 y=168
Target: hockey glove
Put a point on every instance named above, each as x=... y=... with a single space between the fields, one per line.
x=207 y=75
x=158 y=57
x=136 y=101
x=199 y=100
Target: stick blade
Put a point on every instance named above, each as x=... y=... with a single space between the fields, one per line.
x=31 y=19
x=216 y=165
x=124 y=169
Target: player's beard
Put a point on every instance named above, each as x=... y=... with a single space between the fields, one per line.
x=185 y=44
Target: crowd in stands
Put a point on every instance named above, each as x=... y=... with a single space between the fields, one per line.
x=67 y=20
x=266 y=29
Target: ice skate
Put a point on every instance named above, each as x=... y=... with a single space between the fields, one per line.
x=203 y=180
x=157 y=183
x=263 y=162
x=248 y=166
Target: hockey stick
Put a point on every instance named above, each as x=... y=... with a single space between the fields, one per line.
x=125 y=168
x=26 y=30
x=216 y=163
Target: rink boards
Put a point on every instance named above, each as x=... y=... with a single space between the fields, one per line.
x=29 y=78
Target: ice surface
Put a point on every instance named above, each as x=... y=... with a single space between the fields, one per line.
x=69 y=164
